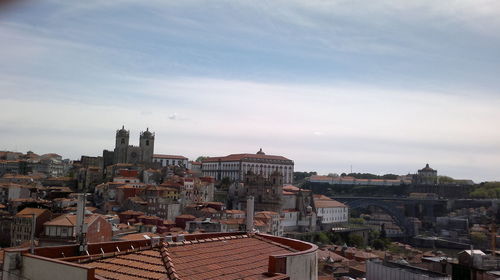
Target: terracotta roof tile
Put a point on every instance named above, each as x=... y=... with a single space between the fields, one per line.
x=239 y=258
x=31 y=211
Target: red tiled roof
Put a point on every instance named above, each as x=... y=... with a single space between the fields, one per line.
x=291 y=188
x=31 y=211
x=132 y=212
x=235 y=211
x=321 y=201
x=209 y=210
x=139 y=236
x=145 y=264
x=234 y=221
x=70 y=220
x=186 y=216
x=238 y=157
x=227 y=256
x=238 y=258
x=169 y=156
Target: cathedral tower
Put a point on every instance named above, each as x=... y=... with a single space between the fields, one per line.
x=147 y=144
x=121 y=145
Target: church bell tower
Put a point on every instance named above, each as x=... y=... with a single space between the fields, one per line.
x=147 y=144
x=121 y=145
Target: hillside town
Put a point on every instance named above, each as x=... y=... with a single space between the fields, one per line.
x=132 y=213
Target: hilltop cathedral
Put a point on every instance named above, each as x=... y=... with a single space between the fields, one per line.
x=125 y=153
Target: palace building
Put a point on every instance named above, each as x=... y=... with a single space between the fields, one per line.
x=237 y=166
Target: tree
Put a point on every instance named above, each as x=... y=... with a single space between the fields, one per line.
x=478 y=238
x=379 y=244
x=201 y=158
x=299 y=176
x=383 y=233
x=445 y=179
x=359 y=221
x=356 y=240
x=487 y=190
x=225 y=183
x=323 y=238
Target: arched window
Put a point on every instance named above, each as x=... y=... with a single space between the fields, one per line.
x=123 y=140
x=147 y=142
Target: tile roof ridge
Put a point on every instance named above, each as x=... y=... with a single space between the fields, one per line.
x=274 y=243
x=168 y=263
x=204 y=240
x=102 y=256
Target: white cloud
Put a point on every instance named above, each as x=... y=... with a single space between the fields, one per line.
x=240 y=75
x=357 y=125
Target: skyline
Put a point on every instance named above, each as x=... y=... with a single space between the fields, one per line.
x=383 y=86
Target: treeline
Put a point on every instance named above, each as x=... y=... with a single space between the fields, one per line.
x=487 y=190
x=347 y=190
x=300 y=176
x=371 y=176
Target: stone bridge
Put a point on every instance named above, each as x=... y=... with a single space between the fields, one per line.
x=400 y=209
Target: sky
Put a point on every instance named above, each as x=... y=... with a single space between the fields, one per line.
x=381 y=86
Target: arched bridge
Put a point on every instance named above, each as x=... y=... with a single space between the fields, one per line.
x=395 y=213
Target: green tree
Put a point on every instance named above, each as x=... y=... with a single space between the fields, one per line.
x=323 y=238
x=478 y=238
x=201 y=158
x=225 y=183
x=379 y=244
x=356 y=240
x=487 y=190
x=359 y=221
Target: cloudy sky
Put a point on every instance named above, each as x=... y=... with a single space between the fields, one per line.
x=385 y=86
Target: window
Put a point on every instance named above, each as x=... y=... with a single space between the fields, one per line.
x=147 y=142
x=123 y=140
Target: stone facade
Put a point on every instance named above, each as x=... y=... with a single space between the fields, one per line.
x=236 y=166
x=125 y=153
x=426 y=176
x=268 y=193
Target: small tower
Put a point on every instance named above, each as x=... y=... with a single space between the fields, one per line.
x=147 y=144
x=121 y=145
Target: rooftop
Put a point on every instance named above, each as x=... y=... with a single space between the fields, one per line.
x=238 y=157
x=30 y=211
x=321 y=201
x=226 y=256
x=69 y=220
x=169 y=156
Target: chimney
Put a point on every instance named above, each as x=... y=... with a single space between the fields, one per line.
x=180 y=238
x=81 y=228
x=250 y=213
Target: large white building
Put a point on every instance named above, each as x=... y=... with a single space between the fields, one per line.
x=168 y=160
x=236 y=166
x=330 y=211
